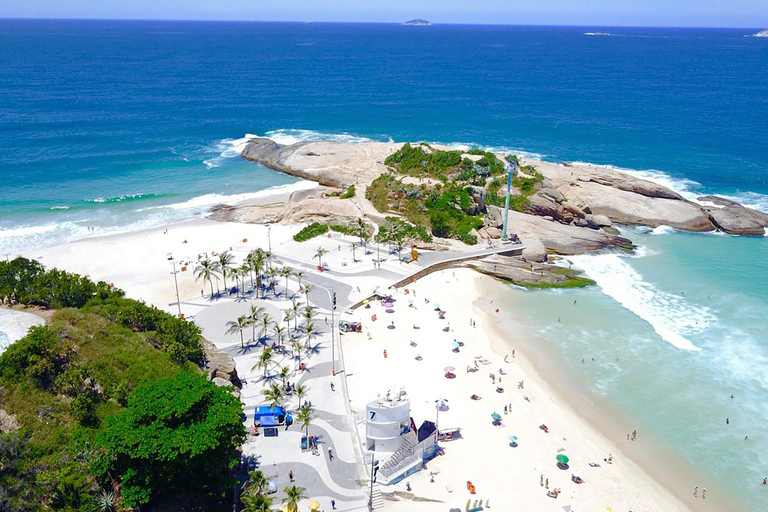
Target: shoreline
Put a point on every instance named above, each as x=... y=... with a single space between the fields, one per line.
x=647 y=457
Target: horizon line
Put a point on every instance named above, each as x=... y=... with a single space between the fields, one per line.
x=310 y=22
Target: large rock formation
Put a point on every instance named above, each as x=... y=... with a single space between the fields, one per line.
x=330 y=163
x=734 y=218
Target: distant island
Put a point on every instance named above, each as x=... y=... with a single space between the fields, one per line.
x=418 y=23
x=763 y=33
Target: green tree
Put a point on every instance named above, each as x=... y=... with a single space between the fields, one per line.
x=254 y=315
x=264 y=360
x=310 y=334
x=274 y=395
x=293 y=495
x=352 y=248
x=301 y=390
x=286 y=272
x=319 y=255
x=206 y=271
x=237 y=326
x=304 y=418
x=226 y=263
x=178 y=435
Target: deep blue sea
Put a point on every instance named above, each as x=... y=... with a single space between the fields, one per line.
x=117 y=125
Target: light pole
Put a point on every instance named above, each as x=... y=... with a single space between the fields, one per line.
x=176 y=282
x=333 y=344
x=374 y=470
x=511 y=167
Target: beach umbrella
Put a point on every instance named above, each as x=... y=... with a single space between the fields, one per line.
x=435 y=305
x=313 y=505
x=389 y=310
x=366 y=301
x=455 y=344
x=442 y=404
x=410 y=301
x=496 y=416
x=449 y=368
x=513 y=438
x=562 y=458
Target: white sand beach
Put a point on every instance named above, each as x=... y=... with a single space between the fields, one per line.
x=508 y=477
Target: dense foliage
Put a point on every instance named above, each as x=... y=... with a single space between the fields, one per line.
x=349 y=193
x=311 y=231
x=175 y=432
x=63 y=382
x=24 y=281
x=524 y=185
x=425 y=161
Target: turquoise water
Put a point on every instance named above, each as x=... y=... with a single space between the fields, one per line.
x=667 y=337
x=109 y=126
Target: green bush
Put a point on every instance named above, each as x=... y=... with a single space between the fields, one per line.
x=349 y=193
x=311 y=231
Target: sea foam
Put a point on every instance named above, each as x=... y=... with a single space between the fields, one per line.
x=670 y=316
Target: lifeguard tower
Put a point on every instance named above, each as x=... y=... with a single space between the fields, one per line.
x=391 y=438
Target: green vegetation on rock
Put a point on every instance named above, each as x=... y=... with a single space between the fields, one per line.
x=311 y=231
x=349 y=193
x=67 y=384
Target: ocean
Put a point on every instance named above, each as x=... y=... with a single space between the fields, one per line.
x=112 y=126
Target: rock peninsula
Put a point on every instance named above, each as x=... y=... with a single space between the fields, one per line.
x=572 y=210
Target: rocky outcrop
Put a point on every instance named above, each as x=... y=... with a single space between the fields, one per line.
x=331 y=210
x=561 y=238
x=733 y=218
x=522 y=273
x=221 y=365
x=330 y=163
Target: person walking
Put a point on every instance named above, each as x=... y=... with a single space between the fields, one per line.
x=290 y=475
x=696 y=492
x=333 y=504
x=333 y=388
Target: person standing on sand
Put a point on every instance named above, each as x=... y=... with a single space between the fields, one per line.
x=704 y=493
x=546 y=483
x=696 y=492
x=541 y=480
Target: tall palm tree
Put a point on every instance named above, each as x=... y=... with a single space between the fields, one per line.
x=352 y=248
x=304 y=418
x=237 y=326
x=293 y=495
x=319 y=255
x=288 y=316
x=284 y=373
x=255 y=483
x=274 y=395
x=296 y=346
x=361 y=231
x=301 y=390
x=310 y=334
x=266 y=321
x=309 y=314
x=271 y=273
x=254 y=315
x=258 y=256
x=226 y=262
x=264 y=360
x=286 y=272
x=296 y=308
x=308 y=288
x=243 y=271
x=279 y=332
x=206 y=270
x=299 y=275
x=256 y=503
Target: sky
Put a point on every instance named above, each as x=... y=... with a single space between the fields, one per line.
x=679 y=13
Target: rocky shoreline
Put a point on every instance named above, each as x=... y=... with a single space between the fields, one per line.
x=573 y=210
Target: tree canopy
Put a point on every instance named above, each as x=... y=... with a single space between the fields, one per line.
x=177 y=434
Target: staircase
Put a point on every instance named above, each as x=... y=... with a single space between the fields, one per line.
x=377 y=502
x=403 y=456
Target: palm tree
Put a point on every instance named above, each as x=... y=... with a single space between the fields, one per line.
x=319 y=255
x=257 y=503
x=253 y=317
x=361 y=231
x=308 y=288
x=293 y=495
x=284 y=373
x=266 y=321
x=304 y=418
x=226 y=262
x=279 y=332
x=295 y=308
x=300 y=276
x=206 y=270
x=301 y=390
x=286 y=272
x=310 y=334
x=274 y=395
x=288 y=316
x=255 y=483
x=237 y=326
x=264 y=359
x=271 y=273
x=259 y=257
x=352 y=248
x=309 y=314
x=243 y=271
x=296 y=347
x=106 y=501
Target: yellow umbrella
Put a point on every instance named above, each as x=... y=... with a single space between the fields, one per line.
x=314 y=505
